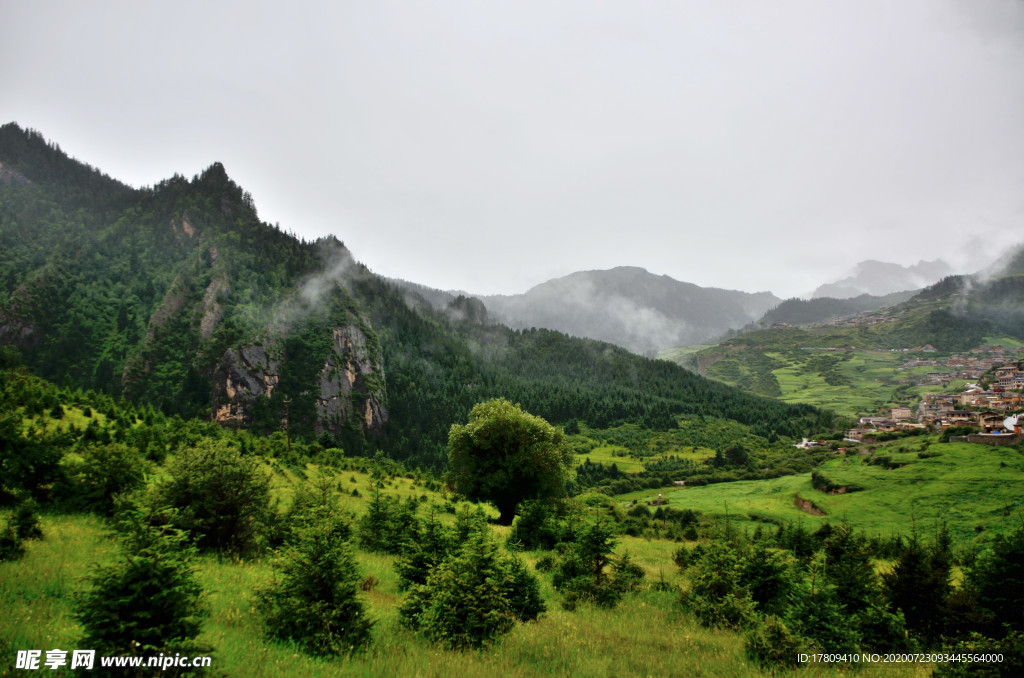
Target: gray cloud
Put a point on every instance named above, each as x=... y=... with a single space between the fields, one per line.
x=489 y=146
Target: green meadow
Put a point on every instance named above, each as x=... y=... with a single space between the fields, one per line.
x=631 y=462
x=850 y=383
x=977 y=490
x=648 y=634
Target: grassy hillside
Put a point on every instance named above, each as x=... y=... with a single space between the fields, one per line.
x=646 y=635
x=977 y=490
x=850 y=366
x=656 y=628
x=792 y=366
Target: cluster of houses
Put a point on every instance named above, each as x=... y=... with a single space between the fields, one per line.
x=974 y=365
x=988 y=407
x=971 y=366
x=860 y=320
x=989 y=423
x=934 y=405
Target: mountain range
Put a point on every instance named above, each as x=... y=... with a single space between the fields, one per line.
x=180 y=296
x=647 y=313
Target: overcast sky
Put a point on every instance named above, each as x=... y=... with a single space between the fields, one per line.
x=491 y=145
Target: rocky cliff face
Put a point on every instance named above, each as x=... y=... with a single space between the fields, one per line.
x=243 y=375
x=349 y=386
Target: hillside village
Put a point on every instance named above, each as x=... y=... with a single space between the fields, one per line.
x=985 y=404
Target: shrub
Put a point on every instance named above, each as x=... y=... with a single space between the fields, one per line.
x=222 y=497
x=816 y=612
x=316 y=602
x=626 y=575
x=772 y=644
x=436 y=542
x=546 y=563
x=389 y=525
x=28 y=465
x=999 y=581
x=581 y=573
x=769 y=576
x=315 y=504
x=538 y=526
x=919 y=585
x=641 y=511
x=12 y=547
x=1011 y=647
x=525 y=599
x=718 y=596
x=681 y=557
x=954 y=431
x=105 y=471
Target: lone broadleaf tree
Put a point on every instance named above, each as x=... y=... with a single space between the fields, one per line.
x=505 y=455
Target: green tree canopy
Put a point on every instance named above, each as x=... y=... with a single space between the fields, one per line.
x=506 y=455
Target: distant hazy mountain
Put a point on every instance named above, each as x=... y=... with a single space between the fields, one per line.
x=630 y=307
x=879 y=278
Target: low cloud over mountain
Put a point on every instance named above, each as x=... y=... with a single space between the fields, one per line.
x=630 y=307
x=879 y=278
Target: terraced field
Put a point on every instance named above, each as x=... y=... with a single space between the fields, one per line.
x=849 y=382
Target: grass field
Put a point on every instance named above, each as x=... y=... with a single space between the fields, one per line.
x=628 y=463
x=978 y=490
x=851 y=383
x=647 y=635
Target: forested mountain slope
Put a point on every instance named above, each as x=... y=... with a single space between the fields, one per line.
x=823 y=309
x=179 y=295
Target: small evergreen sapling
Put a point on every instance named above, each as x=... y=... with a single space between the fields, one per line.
x=474 y=596
x=316 y=602
x=581 y=575
x=148 y=600
x=436 y=542
x=26 y=520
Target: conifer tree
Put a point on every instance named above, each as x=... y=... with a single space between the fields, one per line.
x=474 y=596
x=919 y=584
x=998 y=579
x=26 y=520
x=222 y=497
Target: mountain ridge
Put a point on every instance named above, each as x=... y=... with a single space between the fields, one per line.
x=630 y=307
